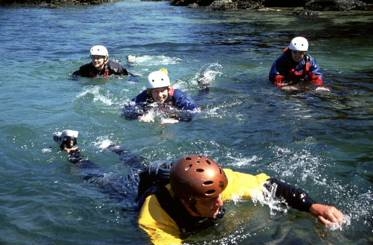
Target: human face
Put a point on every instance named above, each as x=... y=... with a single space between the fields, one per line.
x=208 y=207
x=297 y=56
x=98 y=61
x=160 y=95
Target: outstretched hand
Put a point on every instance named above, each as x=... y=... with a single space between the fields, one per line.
x=71 y=149
x=290 y=88
x=330 y=216
x=322 y=89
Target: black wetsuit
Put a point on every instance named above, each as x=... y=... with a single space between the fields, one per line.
x=111 y=68
x=132 y=188
x=122 y=188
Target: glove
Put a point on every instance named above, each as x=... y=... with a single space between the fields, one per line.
x=317 y=80
x=132 y=111
x=279 y=80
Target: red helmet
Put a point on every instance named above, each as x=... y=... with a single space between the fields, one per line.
x=197 y=176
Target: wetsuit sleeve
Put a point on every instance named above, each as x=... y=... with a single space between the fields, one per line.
x=141 y=98
x=276 y=75
x=117 y=68
x=79 y=160
x=132 y=111
x=315 y=75
x=182 y=101
x=295 y=197
x=80 y=71
x=86 y=70
x=75 y=156
x=76 y=73
x=179 y=114
x=123 y=71
x=117 y=187
x=273 y=72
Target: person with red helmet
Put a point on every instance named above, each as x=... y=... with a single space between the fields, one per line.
x=295 y=68
x=198 y=188
x=178 y=199
x=100 y=65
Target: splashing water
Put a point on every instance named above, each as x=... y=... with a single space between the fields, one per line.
x=336 y=226
x=243 y=161
x=155 y=114
x=268 y=197
x=103 y=142
x=220 y=111
x=97 y=96
x=289 y=163
x=148 y=117
x=207 y=75
x=149 y=60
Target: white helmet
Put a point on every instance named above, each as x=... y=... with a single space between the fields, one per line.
x=99 y=50
x=158 y=79
x=299 y=44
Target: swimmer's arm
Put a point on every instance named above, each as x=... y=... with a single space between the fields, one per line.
x=299 y=199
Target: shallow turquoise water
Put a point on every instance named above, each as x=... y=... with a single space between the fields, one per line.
x=320 y=142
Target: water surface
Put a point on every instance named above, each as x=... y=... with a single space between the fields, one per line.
x=320 y=142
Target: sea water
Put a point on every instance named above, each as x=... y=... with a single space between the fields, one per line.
x=321 y=142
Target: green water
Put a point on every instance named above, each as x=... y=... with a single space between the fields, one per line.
x=320 y=142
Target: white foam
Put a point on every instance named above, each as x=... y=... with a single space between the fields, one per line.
x=207 y=74
x=301 y=163
x=148 y=117
x=149 y=60
x=220 y=111
x=244 y=161
x=268 y=197
x=169 y=121
x=46 y=150
x=103 y=142
x=338 y=226
x=97 y=96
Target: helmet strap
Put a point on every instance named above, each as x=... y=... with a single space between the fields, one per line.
x=190 y=205
x=171 y=91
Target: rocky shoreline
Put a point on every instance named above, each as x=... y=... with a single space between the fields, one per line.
x=308 y=5
x=318 y=5
x=53 y=3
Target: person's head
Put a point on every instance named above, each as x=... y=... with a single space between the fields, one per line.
x=298 y=47
x=66 y=139
x=159 y=85
x=198 y=181
x=99 y=56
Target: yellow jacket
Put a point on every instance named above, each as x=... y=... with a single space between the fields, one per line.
x=163 y=230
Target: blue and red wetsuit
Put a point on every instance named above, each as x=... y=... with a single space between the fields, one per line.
x=178 y=105
x=285 y=71
x=177 y=98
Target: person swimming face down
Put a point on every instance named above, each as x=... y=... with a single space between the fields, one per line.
x=198 y=181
